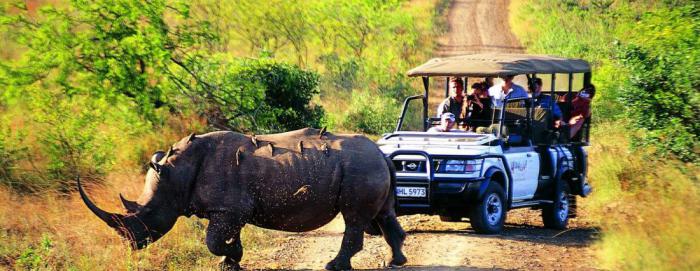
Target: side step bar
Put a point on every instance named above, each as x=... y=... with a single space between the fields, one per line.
x=521 y=204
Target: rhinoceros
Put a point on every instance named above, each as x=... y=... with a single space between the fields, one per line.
x=295 y=181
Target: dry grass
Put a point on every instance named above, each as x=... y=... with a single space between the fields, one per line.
x=649 y=211
x=55 y=232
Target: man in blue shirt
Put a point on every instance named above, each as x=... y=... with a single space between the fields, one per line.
x=545 y=101
x=506 y=89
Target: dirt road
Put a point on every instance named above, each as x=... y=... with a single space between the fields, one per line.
x=474 y=26
x=478 y=26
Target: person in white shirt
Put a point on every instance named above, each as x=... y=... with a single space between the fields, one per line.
x=506 y=89
x=447 y=123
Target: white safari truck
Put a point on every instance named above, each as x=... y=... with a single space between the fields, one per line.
x=518 y=158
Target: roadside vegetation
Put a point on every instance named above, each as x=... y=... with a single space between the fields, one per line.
x=645 y=147
x=93 y=88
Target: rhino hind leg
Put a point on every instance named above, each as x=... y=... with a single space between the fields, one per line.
x=394 y=235
x=353 y=239
x=223 y=239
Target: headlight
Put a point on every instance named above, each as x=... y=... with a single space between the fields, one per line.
x=460 y=166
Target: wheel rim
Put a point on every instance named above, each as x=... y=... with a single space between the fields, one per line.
x=494 y=209
x=563 y=210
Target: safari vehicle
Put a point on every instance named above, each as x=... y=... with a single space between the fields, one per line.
x=520 y=161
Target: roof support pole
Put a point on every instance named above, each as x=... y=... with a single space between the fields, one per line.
x=465 y=86
x=447 y=86
x=554 y=87
x=426 y=86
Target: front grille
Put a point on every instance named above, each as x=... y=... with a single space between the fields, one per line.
x=409 y=166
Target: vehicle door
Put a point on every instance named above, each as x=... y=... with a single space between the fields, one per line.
x=522 y=159
x=524 y=165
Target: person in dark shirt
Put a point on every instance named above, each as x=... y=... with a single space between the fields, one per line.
x=455 y=102
x=545 y=101
x=479 y=102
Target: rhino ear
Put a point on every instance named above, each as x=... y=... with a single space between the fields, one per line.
x=155 y=166
x=157 y=156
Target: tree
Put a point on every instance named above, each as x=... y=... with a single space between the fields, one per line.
x=103 y=48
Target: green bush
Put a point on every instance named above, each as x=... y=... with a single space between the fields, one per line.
x=663 y=94
x=255 y=95
x=371 y=114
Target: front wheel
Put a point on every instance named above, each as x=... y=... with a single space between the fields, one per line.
x=489 y=214
x=556 y=215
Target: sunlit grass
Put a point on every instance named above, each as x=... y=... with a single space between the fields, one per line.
x=649 y=211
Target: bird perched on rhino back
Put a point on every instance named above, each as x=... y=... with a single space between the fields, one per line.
x=295 y=181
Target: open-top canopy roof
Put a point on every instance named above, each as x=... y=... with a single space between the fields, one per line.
x=499 y=64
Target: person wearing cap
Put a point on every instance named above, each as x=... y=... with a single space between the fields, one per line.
x=544 y=101
x=454 y=103
x=447 y=122
x=580 y=109
x=506 y=90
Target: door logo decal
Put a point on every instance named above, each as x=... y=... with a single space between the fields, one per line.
x=519 y=166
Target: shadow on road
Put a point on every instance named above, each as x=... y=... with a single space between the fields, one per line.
x=581 y=236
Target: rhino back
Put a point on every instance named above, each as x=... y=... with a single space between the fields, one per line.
x=288 y=181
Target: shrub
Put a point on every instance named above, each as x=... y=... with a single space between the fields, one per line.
x=663 y=94
x=371 y=114
x=255 y=95
x=71 y=140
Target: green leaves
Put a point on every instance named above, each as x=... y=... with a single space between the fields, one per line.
x=663 y=93
x=103 y=48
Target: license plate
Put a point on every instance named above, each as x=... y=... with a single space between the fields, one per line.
x=411 y=192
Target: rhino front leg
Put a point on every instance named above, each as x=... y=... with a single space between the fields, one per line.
x=223 y=239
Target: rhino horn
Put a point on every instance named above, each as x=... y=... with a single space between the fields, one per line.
x=113 y=220
x=130 y=206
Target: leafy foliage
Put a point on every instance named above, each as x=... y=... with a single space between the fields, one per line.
x=663 y=96
x=101 y=48
x=258 y=95
x=371 y=114
x=641 y=52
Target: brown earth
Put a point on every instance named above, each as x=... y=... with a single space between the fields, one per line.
x=474 y=26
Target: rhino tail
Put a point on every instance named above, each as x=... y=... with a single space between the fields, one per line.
x=392 y=175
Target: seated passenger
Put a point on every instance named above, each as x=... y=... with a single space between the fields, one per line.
x=447 y=123
x=544 y=101
x=506 y=89
x=479 y=103
x=454 y=103
x=581 y=109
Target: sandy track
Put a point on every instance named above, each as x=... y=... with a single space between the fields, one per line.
x=435 y=245
x=474 y=26
x=478 y=26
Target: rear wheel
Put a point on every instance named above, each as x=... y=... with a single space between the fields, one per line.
x=556 y=215
x=489 y=214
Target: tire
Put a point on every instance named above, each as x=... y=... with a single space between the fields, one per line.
x=556 y=215
x=450 y=218
x=489 y=214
